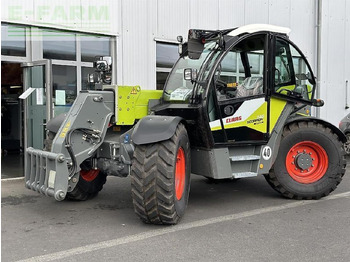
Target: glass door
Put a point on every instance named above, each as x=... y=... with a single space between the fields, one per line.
x=38 y=106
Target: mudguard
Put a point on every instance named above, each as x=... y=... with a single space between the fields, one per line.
x=55 y=123
x=152 y=129
x=336 y=130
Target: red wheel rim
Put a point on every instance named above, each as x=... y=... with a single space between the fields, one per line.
x=180 y=173
x=89 y=175
x=307 y=162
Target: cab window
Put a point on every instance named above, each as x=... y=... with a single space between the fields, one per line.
x=292 y=75
x=240 y=73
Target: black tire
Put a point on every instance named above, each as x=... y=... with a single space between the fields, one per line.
x=319 y=164
x=347 y=144
x=90 y=182
x=153 y=186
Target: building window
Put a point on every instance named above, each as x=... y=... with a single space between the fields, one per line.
x=72 y=54
x=59 y=45
x=92 y=46
x=13 y=40
x=64 y=87
x=167 y=54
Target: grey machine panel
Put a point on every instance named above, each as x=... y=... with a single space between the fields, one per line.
x=213 y=163
x=153 y=128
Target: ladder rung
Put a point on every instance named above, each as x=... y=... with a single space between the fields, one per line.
x=244 y=158
x=244 y=174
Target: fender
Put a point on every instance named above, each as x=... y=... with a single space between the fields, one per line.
x=153 y=128
x=336 y=130
x=55 y=123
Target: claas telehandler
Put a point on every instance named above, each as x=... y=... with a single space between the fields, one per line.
x=236 y=104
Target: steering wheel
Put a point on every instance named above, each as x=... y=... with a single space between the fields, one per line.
x=220 y=85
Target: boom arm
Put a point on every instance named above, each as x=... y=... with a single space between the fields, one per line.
x=80 y=135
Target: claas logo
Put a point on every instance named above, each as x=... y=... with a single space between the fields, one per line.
x=233 y=119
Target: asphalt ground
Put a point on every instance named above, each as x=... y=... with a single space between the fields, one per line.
x=242 y=220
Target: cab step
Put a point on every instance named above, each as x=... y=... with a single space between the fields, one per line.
x=244 y=174
x=244 y=158
x=244 y=161
x=227 y=163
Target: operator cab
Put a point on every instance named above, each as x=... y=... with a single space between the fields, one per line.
x=238 y=81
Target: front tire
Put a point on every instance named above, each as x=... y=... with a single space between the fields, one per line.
x=160 y=179
x=90 y=182
x=310 y=162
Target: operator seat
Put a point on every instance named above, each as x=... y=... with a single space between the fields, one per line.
x=251 y=86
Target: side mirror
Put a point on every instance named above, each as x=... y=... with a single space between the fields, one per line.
x=190 y=74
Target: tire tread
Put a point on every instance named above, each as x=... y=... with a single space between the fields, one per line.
x=151 y=181
x=273 y=181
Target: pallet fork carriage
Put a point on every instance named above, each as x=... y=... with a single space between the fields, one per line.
x=236 y=104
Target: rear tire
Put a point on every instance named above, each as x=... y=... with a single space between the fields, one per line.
x=160 y=179
x=310 y=162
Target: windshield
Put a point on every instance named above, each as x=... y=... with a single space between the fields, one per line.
x=177 y=88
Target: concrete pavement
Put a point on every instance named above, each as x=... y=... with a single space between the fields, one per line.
x=242 y=220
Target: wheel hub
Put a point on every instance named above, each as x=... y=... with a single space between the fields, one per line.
x=306 y=162
x=89 y=175
x=303 y=161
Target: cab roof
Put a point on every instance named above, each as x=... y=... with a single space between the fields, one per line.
x=253 y=28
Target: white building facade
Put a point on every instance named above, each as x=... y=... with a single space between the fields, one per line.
x=140 y=35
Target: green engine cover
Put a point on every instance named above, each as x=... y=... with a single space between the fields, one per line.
x=132 y=103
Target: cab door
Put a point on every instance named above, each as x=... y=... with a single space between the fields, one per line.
x=239 y=90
